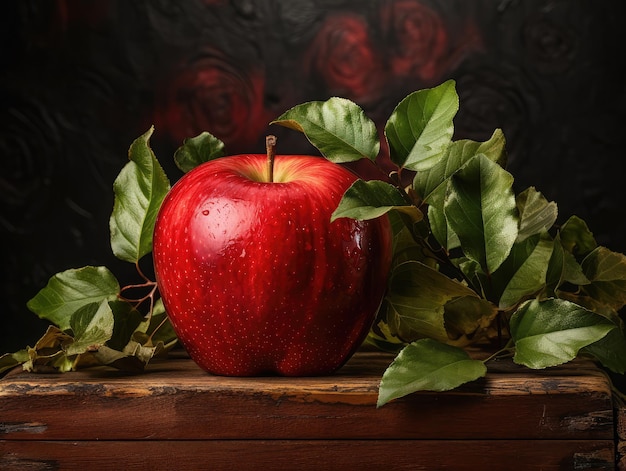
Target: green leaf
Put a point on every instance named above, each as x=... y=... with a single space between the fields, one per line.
x=421 y=126
x=433 y=182
x=606 y=271
x=439 y=225
x=126 y=318
x=162 y=331
x=563 y=268
x=92 y=326
x=139 y=191
x=480 y=208
x=524 y=271
x=68 y=291
x=551 y=332
x=157 y=328
x=337 y=127
x=536 y=214
x=610 y=351
x=576 y=237
x=417 y=297
x=494 y=148
x=197 y=150
x=473 y=274
x=405 y=246
x=371 y=199
x=428 y=365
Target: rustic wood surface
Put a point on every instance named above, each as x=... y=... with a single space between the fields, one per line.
x=309 y=455
x=176 y=416
x=621 y=432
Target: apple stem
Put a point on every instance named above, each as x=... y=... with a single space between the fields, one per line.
x=270 y=142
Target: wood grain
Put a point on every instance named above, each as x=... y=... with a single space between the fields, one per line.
x=309 y=455
x=621 y=432
x=179 y=414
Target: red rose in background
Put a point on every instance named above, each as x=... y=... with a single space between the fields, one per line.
x=343 y=58
x=210 y=94
x=419 y=43
x=417 y=38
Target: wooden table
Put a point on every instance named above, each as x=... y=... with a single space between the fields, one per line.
x=175 y=416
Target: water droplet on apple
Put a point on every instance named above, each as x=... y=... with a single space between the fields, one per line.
x=206 y=212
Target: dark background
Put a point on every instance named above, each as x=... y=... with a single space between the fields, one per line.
x=81 y=79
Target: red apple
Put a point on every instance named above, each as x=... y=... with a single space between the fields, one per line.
x=254 y=276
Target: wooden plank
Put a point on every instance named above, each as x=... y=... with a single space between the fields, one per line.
x=304 y=455
x=620 y=408
x=174 y=399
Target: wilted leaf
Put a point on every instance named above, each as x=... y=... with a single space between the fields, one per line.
x=421 y=126
x=152 y=336
x=428 y=365
x=337 y=127
x=142 y=352
x=68 y=291
x=139 y=191
x=380 y=336
x=576 y=237
x=10 y=360
x=123 y=361
x=371 y=199
x=467 y=318
x=551 y=332
x=197 y=150
x=52 y=341
x=48 y=353
x=480 y=208
x=536 y=214
x=416 y=298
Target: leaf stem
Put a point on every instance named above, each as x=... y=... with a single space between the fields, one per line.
x=161 y=324
x=148 y=283
x=508 y=349
x=270 y=143
x=137 y=301
x=141 y=273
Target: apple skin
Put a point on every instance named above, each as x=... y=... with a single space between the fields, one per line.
x=255 y=278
